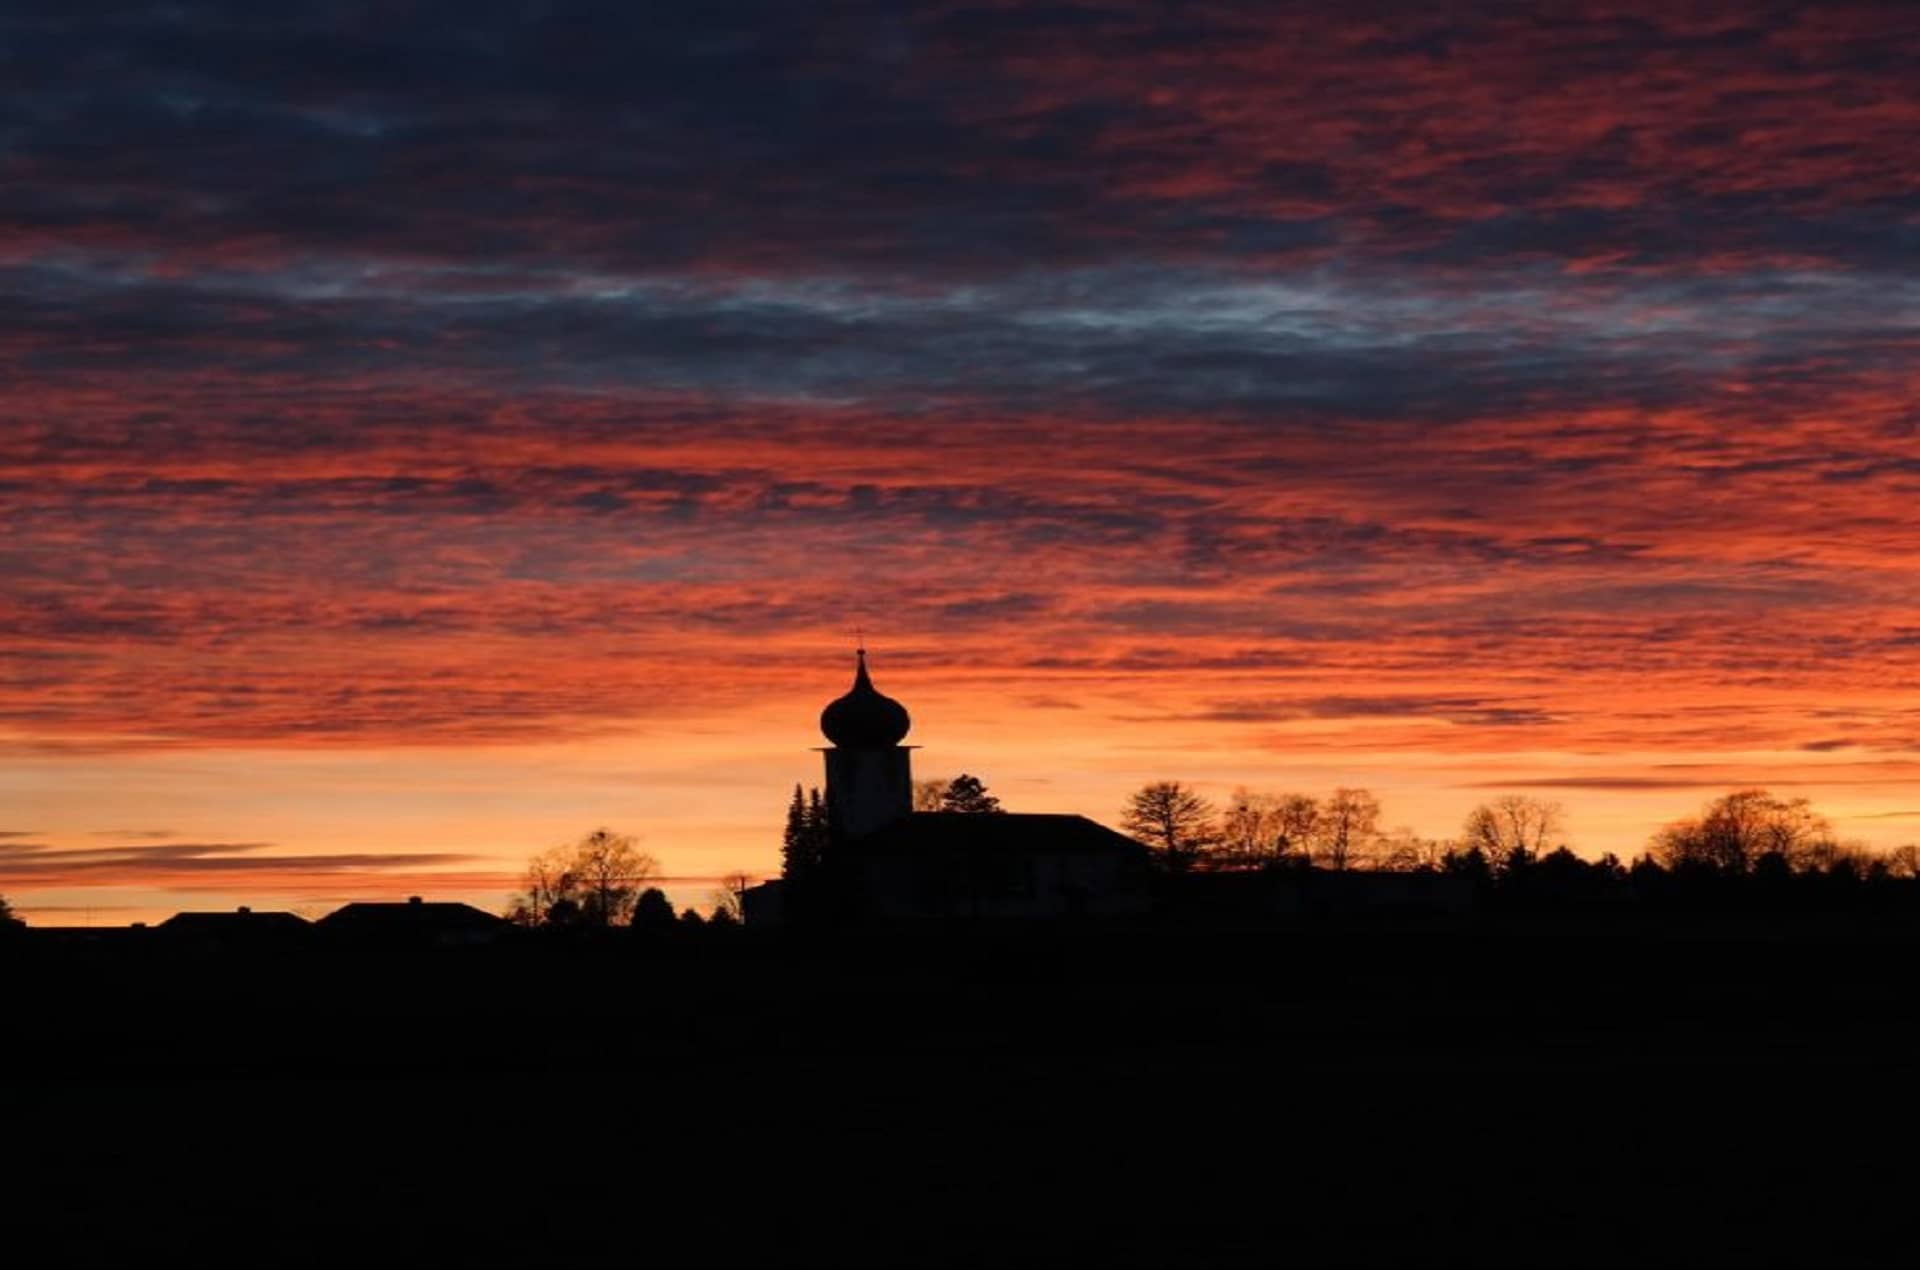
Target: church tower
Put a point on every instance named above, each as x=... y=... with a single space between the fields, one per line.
x=869 y=773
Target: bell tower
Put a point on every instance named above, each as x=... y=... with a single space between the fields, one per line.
x=869 y=773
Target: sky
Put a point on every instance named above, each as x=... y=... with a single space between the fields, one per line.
x=431 y=431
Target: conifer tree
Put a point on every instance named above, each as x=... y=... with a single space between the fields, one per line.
x=805 y=838
x=793 y=842
x=653 y=911
x=819 y=823
x=968 y=794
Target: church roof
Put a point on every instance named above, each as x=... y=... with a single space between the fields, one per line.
x=1011 y=832
x=864 y=718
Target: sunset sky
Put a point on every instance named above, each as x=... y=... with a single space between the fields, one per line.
x=430 y=431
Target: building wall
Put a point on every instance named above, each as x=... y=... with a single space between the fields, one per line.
x=1002 y=885
x=868 y=789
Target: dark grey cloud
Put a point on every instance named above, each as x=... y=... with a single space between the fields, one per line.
x=1599 y=783
x=994 y=609
x=28 y=863
x=592 y=131
x=876 y=136
x=912 y=203
x=173 y=850
x=1327 y=345
x=1477 y=711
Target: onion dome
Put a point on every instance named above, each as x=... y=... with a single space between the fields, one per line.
x=864 y=719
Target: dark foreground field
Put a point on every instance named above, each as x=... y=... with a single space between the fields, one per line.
x=1367 y=1096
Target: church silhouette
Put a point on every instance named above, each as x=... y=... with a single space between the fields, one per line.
x=886 y=863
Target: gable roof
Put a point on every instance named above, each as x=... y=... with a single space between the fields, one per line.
x=413 y=915
x=1011 y=832
x=240 y=921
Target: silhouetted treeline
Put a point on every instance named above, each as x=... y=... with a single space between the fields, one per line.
x=1465 y=884
x=1748 y=832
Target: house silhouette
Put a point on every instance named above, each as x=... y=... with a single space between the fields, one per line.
x=415 y=921
x=240 y=926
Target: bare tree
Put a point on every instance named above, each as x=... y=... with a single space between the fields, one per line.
x=1736 y=830
x=929 y=794
x=1349 y=825
x=611 y=869
x=1173 y=820
x=1258 y=829
x=732 y=895
x=1511 y=824
x=1826 y=853
x=1249 y=830
x=1404 y=851
x=594 y=880
x=549 y=880
x=1296 y=818
x=1904 y=861
x=8 y=918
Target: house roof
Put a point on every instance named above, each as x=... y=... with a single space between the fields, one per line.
x=1014 y=832
x=413 y=915
x=243 y=920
